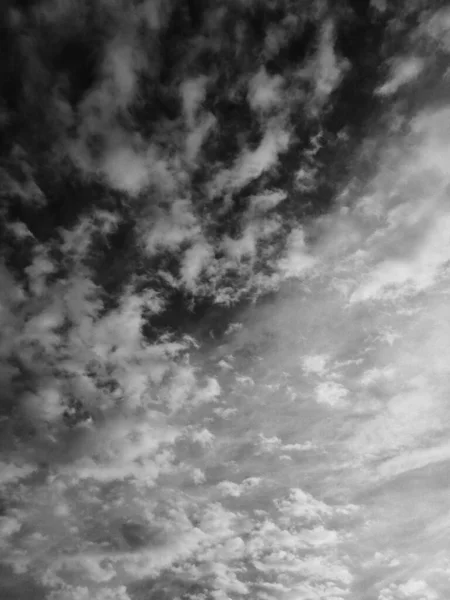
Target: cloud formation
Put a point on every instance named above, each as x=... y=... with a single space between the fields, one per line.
x=223 y=302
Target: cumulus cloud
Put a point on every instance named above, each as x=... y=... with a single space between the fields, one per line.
x=264 y=92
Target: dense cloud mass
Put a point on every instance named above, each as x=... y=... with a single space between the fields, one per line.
x=224 y=316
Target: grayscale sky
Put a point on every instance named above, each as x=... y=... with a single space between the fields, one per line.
x=224 y=300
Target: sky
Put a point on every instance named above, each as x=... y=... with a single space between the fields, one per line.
x=224 y=300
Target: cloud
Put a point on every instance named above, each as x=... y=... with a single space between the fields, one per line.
x=315 y=364
x=126 y=169
x=413 y=588
x=143 y=448
x=302 y=505
x=228 y=488
x=298 y=261
x=156 y=13
x=197 y=136
x=328 y=68
x=174 y=227
x=379 y=5
x=117 y=158
x=414 y=459
x=84 y=593
x=264 y=92
x=11 y=472
x=195 y=260
x=437 y=27
x=204 y=437
x=403 y=71
x=331 y=393
x=266 y=201
x=251 y=164
x=121 y=63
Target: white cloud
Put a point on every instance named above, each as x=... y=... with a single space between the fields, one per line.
x=69 y=592
x=156 y=13
x=229 y=488
x=126 y=169
x=414 y=589
x=404 y=70
x=269 y=444
x=174 y=227
x=204 y=437
x=332 y=393
x=302 y=505
x=393 y=278
x=266 y=201
x=126 y=449
x=143 y=455
x=195 y=260
x=379 y=5
x=8 y=527
x=315 y=364
x=328 y=69
x=39 y=270
x=264 y=92
x=120 y=67
x=10 y=472
x=246 y=245
x=251 y=164
x=298 y=260
x=437 y=27
x=298 y=447
x=209 y=392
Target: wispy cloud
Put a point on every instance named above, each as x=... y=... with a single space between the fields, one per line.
x=403 y=71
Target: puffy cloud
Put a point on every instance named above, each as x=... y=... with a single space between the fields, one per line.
x=328 y=68
x=195 y=260
x=437 y=27
x=331 y=393
x=178 y=225
x=197 y=136
x=300 y=504
x=298 y=260
x=204 y=437
x=315 y=364
x=267 y=201
x=413 y=588
x=11 y=472
x=228 y=488
x=264 y=92
x=126 y=169
x=83 y=593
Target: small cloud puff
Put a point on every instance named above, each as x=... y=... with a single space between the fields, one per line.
x=229 y=488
